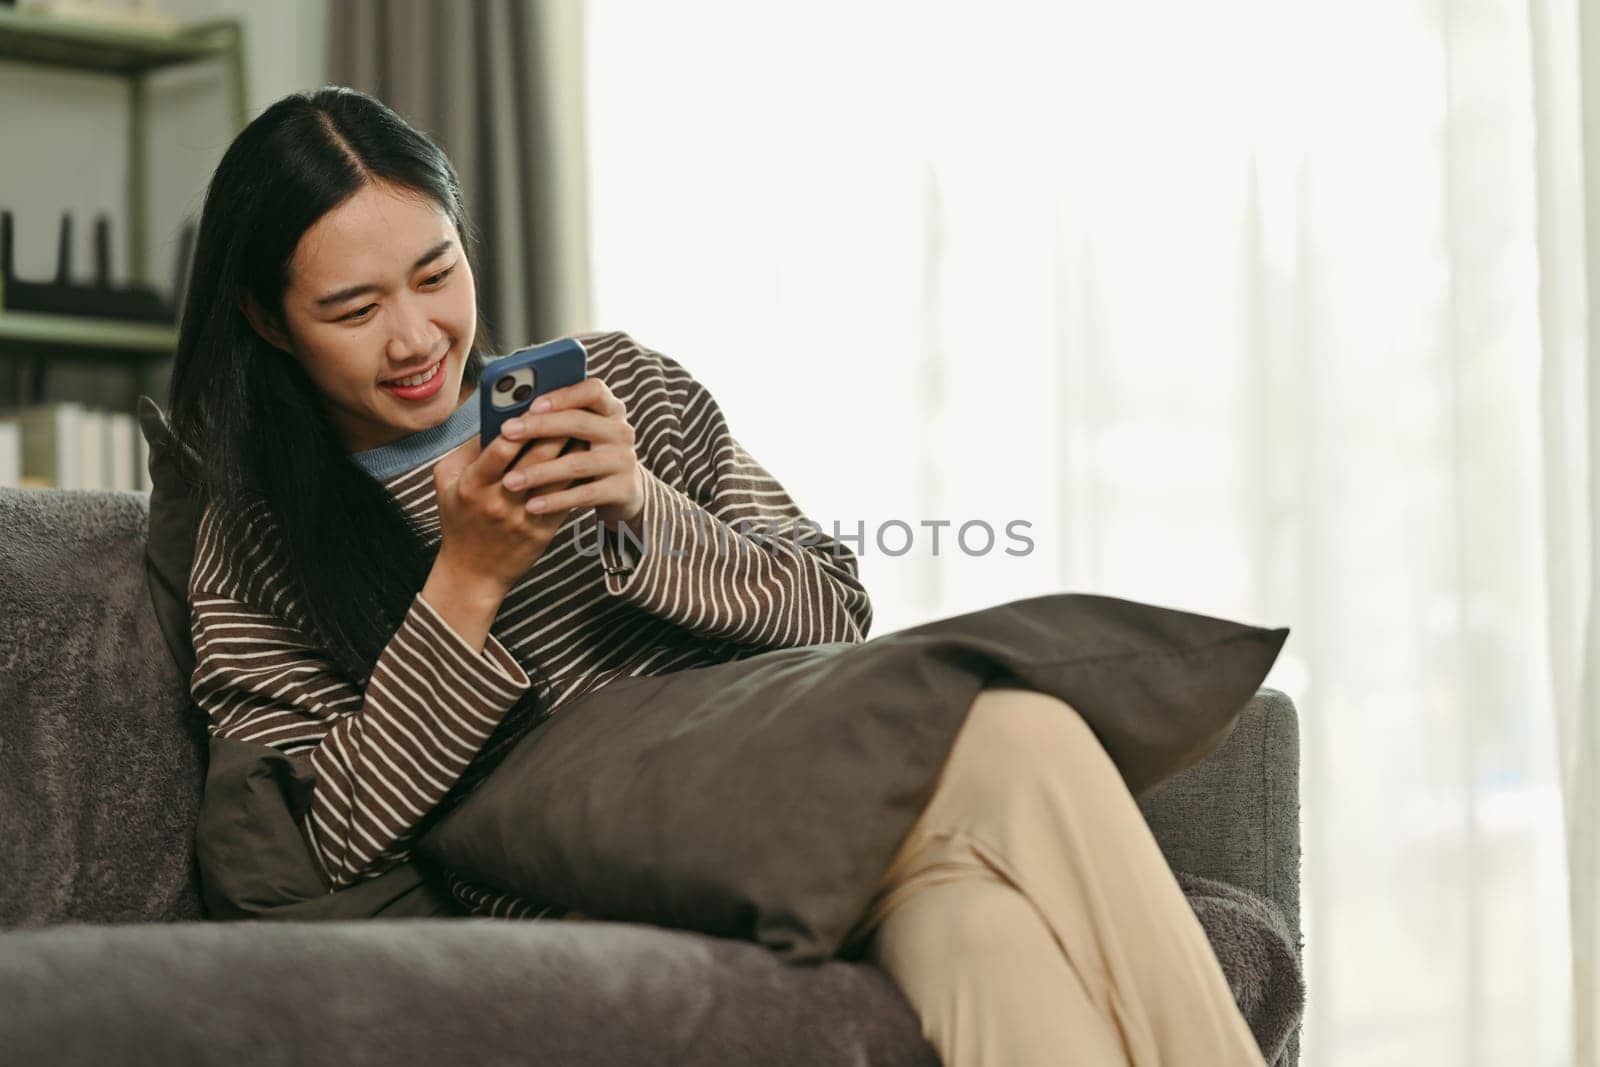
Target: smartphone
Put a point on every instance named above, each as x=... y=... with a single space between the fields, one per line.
x=511 y=384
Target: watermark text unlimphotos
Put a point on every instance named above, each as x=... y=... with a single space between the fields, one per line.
x=701 y=533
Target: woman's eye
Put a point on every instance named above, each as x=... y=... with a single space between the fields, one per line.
x=432 y=281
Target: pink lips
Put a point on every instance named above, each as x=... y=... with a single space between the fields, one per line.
x=419 y=392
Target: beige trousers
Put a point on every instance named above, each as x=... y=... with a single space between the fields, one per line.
x=1030 y=917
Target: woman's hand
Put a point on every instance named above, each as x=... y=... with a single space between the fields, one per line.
x=603 y=469
x=487 y=534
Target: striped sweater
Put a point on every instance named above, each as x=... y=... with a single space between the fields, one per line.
x=729 y=566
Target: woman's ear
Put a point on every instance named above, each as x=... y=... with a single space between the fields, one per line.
x=262 y=323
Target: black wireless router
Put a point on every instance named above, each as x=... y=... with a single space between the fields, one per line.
x=101 y=300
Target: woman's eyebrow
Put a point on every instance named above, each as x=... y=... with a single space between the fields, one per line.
x=356 y=290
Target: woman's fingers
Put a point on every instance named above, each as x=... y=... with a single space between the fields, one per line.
x=593 y=493
x=572 y=422
x=541 y=451
x=591 y=393
x=450 y=465
x=532 y=472
x=482 y=469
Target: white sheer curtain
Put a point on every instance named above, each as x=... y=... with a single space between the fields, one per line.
x=1566 y=51
x=1238 y=307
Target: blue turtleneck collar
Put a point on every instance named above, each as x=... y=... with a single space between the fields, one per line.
x=424 y=446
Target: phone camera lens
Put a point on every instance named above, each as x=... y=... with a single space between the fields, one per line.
x=504 y=384
x=522 y=393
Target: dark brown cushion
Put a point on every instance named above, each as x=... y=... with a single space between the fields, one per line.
x=174 y=521
x=761 y=799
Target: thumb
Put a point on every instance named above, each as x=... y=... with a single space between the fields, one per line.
x=452 y=463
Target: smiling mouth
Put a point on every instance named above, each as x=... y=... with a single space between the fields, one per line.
x=418 y=379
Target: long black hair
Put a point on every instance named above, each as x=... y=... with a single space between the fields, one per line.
x=262 y=442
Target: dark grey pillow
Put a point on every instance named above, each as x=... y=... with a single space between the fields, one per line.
x=761 y=799
x=174 y=522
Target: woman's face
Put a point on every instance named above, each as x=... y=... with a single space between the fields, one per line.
x=379 y=290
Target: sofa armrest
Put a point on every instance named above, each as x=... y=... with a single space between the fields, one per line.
x=1235 y=815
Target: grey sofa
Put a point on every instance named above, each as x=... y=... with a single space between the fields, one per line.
x=103 y=959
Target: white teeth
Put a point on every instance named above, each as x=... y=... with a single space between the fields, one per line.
x=418 y=379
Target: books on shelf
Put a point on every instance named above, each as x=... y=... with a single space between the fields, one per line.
x=10 y=452
x=68 y=445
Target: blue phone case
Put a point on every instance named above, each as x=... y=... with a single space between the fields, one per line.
x=512 y=383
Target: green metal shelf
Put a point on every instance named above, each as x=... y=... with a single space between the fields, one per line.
x=131 y=54
x=84 y=45
x=25 y=331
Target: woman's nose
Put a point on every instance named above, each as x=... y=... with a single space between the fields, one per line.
x=413 y=334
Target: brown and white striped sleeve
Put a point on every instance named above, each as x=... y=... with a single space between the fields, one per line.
x=720 y=548
x=383 y=757
x=482 y=900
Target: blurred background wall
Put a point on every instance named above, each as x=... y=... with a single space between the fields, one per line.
x=500 y=87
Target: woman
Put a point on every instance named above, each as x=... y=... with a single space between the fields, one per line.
x=373 y=597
